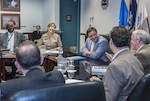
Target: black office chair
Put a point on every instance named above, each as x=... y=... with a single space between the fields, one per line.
x=141 y=92
x=85 y=91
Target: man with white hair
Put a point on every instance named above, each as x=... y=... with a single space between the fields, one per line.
x=140 y=44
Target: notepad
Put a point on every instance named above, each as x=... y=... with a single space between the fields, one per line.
x=99 y=70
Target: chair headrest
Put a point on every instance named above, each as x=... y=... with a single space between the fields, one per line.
x=142 y=90
x=85 y=91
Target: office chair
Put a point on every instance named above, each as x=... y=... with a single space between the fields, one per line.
x=85 y=91
x=141 y=92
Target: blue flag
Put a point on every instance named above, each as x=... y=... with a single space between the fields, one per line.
x=132 y=14
x=123 y=19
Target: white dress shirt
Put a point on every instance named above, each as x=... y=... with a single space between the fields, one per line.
x=10 y=41
x=92 y=46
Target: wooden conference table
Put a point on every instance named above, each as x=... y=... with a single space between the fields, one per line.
x=83 y=71
x=84 y=68
x=48 y=61
x=3 y=58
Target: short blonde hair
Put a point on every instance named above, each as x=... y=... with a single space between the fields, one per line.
x=51 y=24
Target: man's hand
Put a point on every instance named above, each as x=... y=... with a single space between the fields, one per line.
x=94 y=78
x=85 y=49
x=109 y=56
x=90 y=52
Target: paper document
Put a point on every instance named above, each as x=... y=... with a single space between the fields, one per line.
x=73 y=81
x=51 y=52
x=99 y=70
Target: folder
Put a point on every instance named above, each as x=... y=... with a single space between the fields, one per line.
x=76 y=58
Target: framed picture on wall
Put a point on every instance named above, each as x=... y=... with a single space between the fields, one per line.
x=10 y=5
x=15 y=18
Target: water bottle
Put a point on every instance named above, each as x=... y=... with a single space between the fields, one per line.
x=62 y=64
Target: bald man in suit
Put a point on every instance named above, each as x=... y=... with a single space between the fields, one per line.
x=28 y=61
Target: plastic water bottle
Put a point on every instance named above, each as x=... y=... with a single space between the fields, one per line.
x=62 y=64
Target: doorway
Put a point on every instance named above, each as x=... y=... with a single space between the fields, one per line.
x=70 y=23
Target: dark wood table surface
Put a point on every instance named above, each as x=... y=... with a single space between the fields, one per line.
x=83 y=72
x=48 y=64
x=3 y=58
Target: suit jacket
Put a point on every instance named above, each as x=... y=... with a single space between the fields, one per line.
x=18 y=38
x=121 y=77
x=36 y=35
x=34 y=78
x=144 y=57
x=100 y=47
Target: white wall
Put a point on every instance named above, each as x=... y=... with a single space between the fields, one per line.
x=103 y=20
x=42 y=12
x=50 y=12
x=33 y=12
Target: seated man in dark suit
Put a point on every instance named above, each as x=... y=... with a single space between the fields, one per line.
x=28 y=61
x=37 y=33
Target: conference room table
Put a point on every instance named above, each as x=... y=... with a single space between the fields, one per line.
x=11 y=56
x=3 y=58
x=83 y=67
x=50 y=61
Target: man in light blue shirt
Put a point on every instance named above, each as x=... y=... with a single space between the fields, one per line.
x=95 y=46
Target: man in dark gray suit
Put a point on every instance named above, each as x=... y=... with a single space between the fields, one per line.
x=140 y=44
x=28 y=61
x=124 y=71
x=10 y=40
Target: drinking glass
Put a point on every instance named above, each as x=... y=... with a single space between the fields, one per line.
x=42 y=49
x=71 y=73
x=62 y=67
x=60 y=50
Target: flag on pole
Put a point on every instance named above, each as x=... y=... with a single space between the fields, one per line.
x=123 y=19
x=142 y=16
x=132 y=14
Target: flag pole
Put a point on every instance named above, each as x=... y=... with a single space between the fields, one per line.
x=148 y=25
